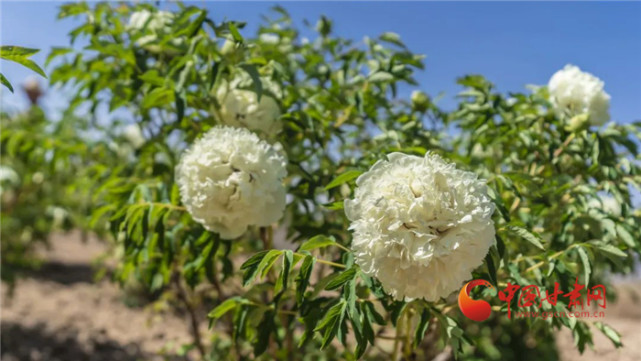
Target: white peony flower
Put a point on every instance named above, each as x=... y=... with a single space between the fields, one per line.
x=230 y=179
x=241 y=108
x=420 y=225
x=133 y=134
x=576 y=92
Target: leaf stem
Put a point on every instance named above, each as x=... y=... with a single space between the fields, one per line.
x=342 y=247
x=330 y=263
x=166 y=205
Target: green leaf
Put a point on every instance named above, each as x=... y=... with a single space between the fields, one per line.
x=315 y=242
x=531 y=237
x=226 y=306
x=610 y=333
x=491 y=266
x=392 y=38
x=5 y=82
x=55 y=52
x=343 y=178
x=233 y=30
x=267 y=262
x=158 y=97
x=341 y=278
x=611 y=250
x=380 y=77
x=303 y=277
x=281 y=282
x=264 y=329
x=152 y=77
x=251 y=266
x=587 y=269
x=21 y=56
x=373 y=314
x=625 y=236
x=331 y=322
x=255 y=76
x=10 y=51
x=334 y=206
x=421 y=327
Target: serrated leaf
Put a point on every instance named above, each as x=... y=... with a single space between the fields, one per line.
x=303 y=277
x=251 y=266
x=625 y=236
x=281 y=283
x=343 y=178
x=585 y=260
x=373 y=314
x=527 y=235
x=610 y=333
x=340 y=279
x=331 y=322
x=268 y=261
x=611 y=250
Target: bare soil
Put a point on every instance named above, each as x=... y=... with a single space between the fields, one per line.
x=60 y=313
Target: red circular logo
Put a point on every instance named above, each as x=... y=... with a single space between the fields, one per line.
x=477 y=310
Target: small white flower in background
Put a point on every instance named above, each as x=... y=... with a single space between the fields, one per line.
x=574 y=92
x=269 y=38
x=9 y=176
x=138 y=19
x=58 y=214
x=607 y=204
x=420 y=225
x=230 y=179
x=158 y=22
x=37 y=177
x=145 y=19
x=229 y=46
x=133 y=134
x=239 y=107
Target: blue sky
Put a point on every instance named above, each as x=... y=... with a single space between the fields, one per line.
x=511 y=43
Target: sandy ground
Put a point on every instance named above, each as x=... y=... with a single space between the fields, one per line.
x=59 y=313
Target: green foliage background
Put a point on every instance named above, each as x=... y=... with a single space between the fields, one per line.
x=341 y=113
